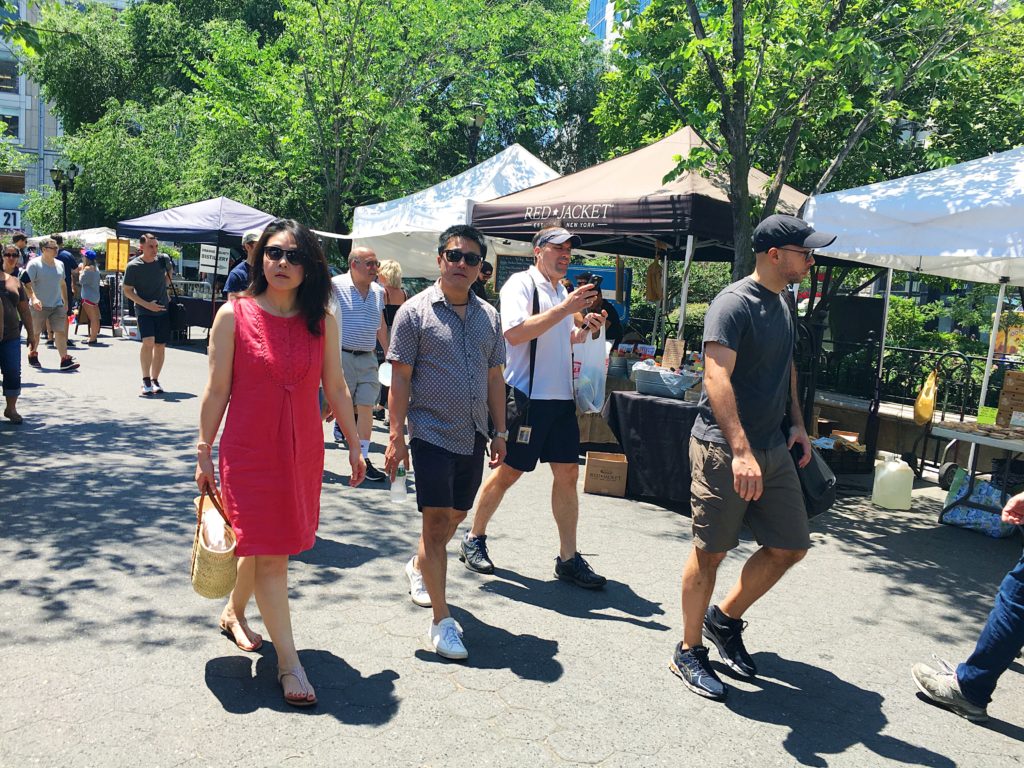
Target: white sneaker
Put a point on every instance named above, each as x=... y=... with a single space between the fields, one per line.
x=339 y=437
x=447 y=640
x=417 y=589
x=147 y=389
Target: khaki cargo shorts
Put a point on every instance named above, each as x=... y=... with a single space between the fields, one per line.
x=777 y=519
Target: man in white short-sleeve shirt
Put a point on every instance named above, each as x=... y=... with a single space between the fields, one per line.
x=535 y=306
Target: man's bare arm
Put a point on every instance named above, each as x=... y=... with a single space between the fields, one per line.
x=719 y=362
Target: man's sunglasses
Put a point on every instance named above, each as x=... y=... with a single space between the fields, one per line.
x=274 y=253
x=808 y=255
x=455 y=256
x=368 y=264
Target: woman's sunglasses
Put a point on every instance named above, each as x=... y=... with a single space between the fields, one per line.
x=274 y=253
x=455 y=256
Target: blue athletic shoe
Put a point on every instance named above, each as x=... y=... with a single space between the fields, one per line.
x=691 y=665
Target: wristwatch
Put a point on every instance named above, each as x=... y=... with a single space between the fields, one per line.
x=502 y=435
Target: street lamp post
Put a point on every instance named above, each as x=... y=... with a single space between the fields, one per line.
x=64 y=181
x=476 y=114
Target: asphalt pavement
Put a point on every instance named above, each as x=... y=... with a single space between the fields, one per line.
x=109 y=658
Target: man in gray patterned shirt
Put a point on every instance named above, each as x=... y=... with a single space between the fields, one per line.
x=446 y=355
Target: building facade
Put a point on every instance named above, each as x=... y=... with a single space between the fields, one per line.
x=31 y=126
x=601 y=18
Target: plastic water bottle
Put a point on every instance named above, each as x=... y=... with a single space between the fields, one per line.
x=399 y=494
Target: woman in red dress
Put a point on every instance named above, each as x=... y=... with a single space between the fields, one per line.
x=270 y=351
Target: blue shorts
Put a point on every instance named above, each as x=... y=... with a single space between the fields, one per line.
x=156 y=326
x=444 y=479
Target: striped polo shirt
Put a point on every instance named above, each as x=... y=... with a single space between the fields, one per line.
x=361 y=316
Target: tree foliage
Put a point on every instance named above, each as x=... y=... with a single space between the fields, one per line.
x=314 y=108
x=797 y=87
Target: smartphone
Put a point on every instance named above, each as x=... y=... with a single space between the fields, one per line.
x=596 y=282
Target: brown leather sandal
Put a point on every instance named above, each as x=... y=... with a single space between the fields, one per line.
x=307 y=690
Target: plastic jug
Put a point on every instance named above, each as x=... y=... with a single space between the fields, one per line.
x=894 y=480
x=399 y=492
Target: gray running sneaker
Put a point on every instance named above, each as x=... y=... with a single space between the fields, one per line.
x=473 y=552
x=941 y=686
x=691 y=665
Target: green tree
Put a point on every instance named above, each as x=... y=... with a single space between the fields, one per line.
x=795 y=86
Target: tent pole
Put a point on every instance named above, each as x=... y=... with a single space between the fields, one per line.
x=992 y=342
x=991 y=355
x=664 y=299
x=685 y=290
x=873 y=422
x=885 y=321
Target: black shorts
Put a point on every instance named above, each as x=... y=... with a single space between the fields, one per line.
x=554 y=436
x=444 y=479
x=157 y=326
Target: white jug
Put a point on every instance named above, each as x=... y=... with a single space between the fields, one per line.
x=894 y=481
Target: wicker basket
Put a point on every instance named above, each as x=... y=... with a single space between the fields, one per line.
x=213 y=573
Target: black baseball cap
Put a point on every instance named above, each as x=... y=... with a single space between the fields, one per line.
x=779 y=230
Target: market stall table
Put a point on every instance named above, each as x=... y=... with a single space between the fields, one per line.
x=654 y=433
x=1010 y=440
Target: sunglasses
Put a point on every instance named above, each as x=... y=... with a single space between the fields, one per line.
x=455 y=256
x=808 y=255
x=274 y=253
x=368 y=264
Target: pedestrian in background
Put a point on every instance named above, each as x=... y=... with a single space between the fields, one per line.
x=361 y=327
x=48 y=297
x=270 y=351
x=239 y=278
x=89 y=280
x=145 y=283
x=12 y=261
x=15 y=311
x=389 y=275
x=65 y=257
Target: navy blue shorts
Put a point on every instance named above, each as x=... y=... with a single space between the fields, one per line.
x=444 y=479
x=157 y=326
x=554 y=437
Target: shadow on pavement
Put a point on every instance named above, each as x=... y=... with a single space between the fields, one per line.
x=959 y=569
x=526 y=656
x=825 y=714
x=341 y=690
x=580 y=603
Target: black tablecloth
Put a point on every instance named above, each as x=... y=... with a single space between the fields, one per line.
x=198 y=311
x=654 y=433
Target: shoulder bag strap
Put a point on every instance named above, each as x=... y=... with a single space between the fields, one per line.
x=533 y=342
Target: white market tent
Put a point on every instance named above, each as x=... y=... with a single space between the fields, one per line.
x=406 y=229
x=965 y=221
x=90 y=238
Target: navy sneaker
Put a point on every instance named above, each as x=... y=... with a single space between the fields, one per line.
x=691 y=665
x=727 y=635
x=473 y=552
x=578 y=571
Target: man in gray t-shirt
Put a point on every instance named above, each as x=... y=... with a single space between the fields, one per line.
x=48 y=298
x=742 y=471
x=145 y=283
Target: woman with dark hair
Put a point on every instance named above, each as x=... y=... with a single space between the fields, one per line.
x=270 y=351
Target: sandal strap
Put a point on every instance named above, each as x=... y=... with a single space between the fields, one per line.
x=299 y=674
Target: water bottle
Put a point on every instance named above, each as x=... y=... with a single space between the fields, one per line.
x=399 y=494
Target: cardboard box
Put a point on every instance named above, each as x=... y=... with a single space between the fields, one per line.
x=605 y=474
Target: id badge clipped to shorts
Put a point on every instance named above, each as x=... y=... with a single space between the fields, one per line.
x=523 y=435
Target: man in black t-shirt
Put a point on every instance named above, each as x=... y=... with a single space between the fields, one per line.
x=742 y=471
x=145 y=283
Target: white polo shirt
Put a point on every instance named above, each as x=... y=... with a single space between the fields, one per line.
x=552 y=373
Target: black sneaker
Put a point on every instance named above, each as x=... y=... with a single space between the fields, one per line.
x=473 y=552
x=373 y=474
x=727 y=635
x=69 y=364
x=693 y=668
x=33 y=360
x=579 y=572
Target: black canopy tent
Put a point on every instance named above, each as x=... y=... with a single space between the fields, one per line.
x=219 y=221
x=625 y=207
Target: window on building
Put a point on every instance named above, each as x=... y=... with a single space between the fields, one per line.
x=9 y=80
x=596 y=18
x=13 y=182
x=13 y=129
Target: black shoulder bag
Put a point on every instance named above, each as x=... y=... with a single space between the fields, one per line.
x=817 y=480
x=517 y=405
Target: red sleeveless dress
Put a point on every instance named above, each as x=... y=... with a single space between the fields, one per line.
x=272 y=448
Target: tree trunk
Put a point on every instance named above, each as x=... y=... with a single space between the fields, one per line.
x=739 y=196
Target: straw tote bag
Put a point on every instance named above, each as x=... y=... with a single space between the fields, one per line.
x=213 y=572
